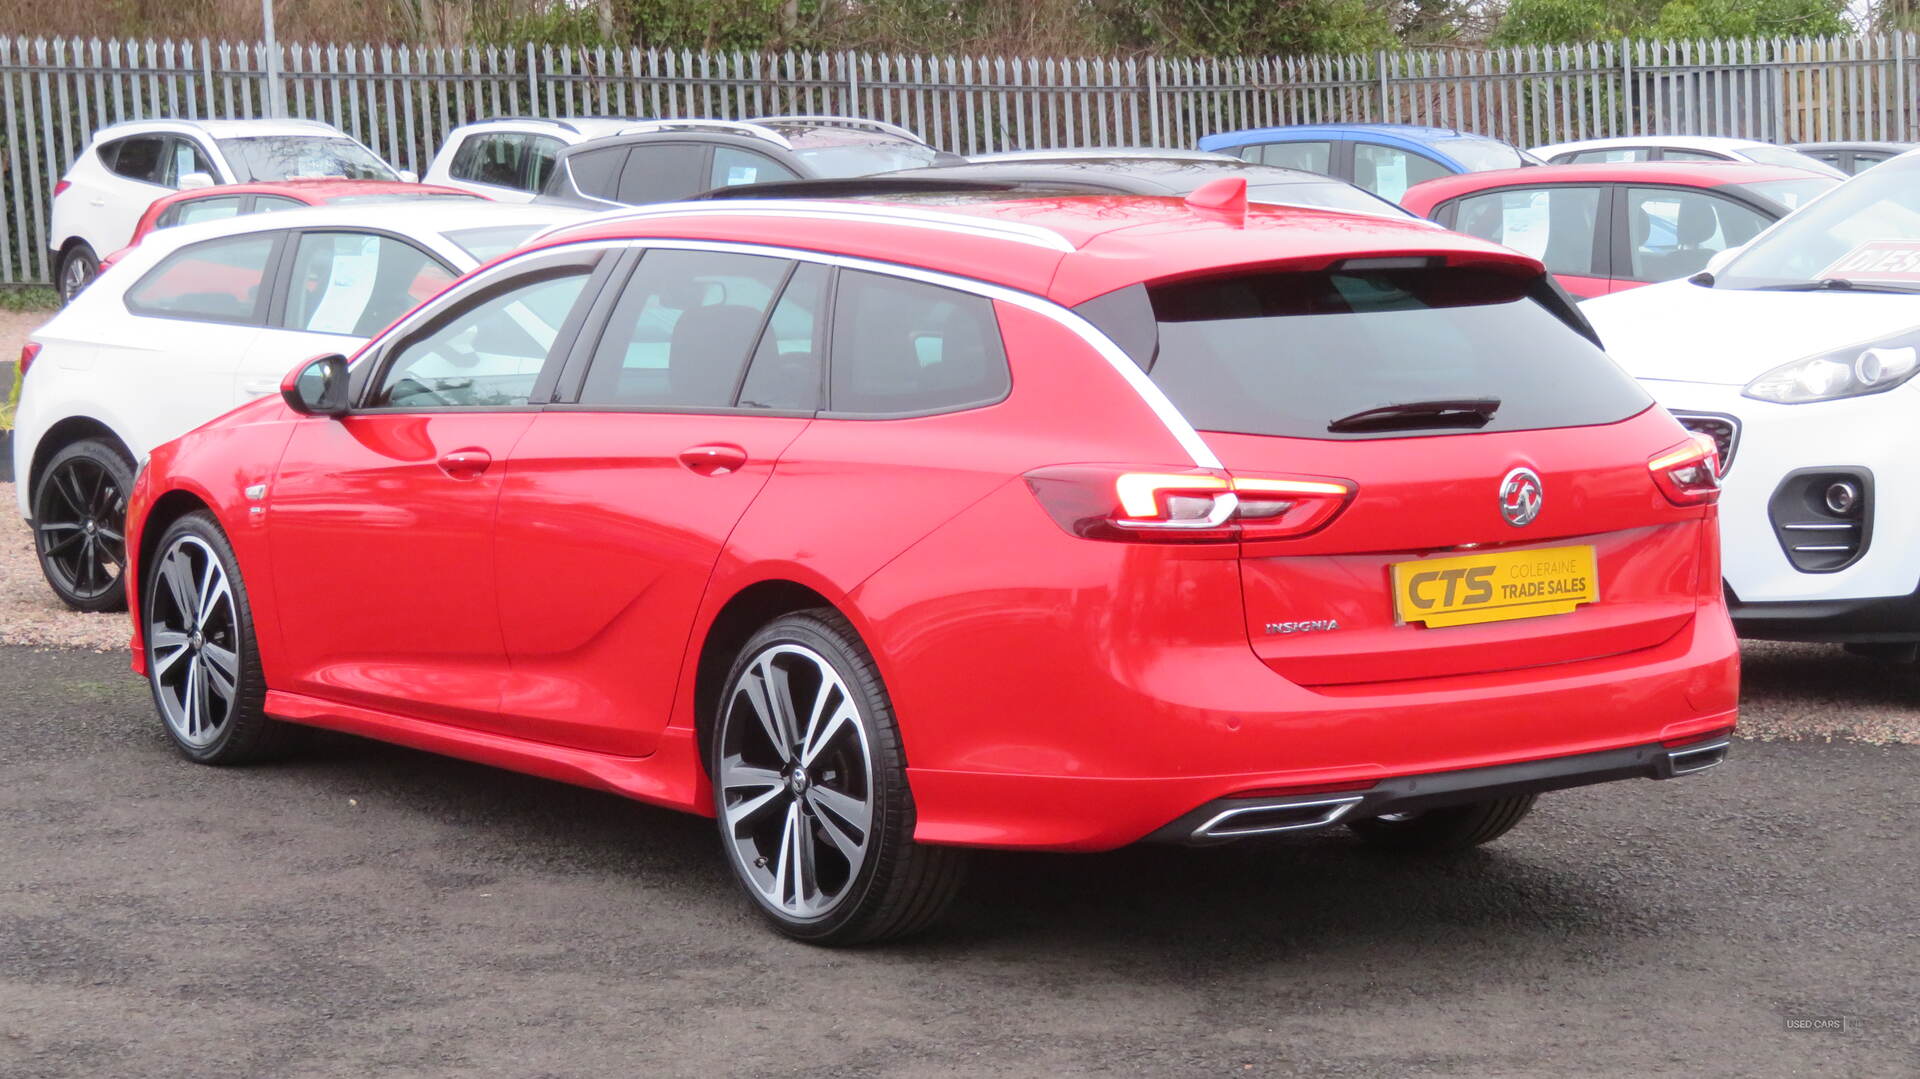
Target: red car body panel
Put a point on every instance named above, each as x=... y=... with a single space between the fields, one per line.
x=1425 y=198
x=544 y=607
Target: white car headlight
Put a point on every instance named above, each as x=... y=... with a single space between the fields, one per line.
x=1848 y=372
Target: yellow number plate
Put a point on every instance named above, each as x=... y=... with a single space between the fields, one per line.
x=1494 y=586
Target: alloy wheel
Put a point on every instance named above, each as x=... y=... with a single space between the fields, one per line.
x=193 y=641
x=796 y=779
x=75 y=276
x=79 y=521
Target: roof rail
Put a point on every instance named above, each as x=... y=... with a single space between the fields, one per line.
x=895 y=184
x=1020 y=232
x=730 y=127
x=523 y=120
x=858 y=123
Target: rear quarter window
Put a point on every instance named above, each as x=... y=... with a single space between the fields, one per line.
x=1287 y=354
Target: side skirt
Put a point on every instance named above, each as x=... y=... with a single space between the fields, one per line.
x=670 y=777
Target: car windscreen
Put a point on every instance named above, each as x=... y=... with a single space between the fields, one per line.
x=401 y=196
x=1878 y=209
x=1790 y=158
x=489 y=243
x=1331 y=196
x=1791 y=194
x=285 y=157
x=865 y=159
x=1292 y=353
x=1483 y=155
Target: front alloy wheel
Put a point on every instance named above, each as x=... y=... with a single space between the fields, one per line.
x=79 y=522
x=810 y=790
x=202 y=664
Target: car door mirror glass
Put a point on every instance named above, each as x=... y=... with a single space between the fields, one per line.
x=317 y=387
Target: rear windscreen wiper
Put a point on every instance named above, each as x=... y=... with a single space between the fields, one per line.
x=1415 y=415
x=1834 y=284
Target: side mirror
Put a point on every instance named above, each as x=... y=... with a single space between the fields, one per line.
x=317 y=387
x=195 y=181
x=409 y=176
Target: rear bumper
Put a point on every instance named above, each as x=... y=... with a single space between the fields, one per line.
x=1227 y=819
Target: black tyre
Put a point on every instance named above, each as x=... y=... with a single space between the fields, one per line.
x=202 y=664
x=1454 y=828
x=79 y=524
x=810 y=790
x=77 y=269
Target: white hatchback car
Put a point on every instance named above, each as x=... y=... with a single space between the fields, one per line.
x=1798 y=353
x=509 y=159
x=198 y=319
x=1680 y=148
x=124 y=167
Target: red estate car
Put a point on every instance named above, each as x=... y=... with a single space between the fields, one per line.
x=883 y=529
x=1610 y=227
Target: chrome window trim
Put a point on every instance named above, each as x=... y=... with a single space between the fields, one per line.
x=1162 y=407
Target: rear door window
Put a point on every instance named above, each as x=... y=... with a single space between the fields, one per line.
x=1309 y=156
x=355 y=283
x=787 y=365
x=1612 y=154
x=1672 y=153
x=192 y=211
x=496 y=160
x=906 y=347
x=1556 y=225
x=142 y=157
x=680 y=336
x=1290 y=353
x=215 y=281
x=663 y=172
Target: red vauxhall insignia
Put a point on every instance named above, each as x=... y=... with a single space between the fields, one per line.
x=881 y=529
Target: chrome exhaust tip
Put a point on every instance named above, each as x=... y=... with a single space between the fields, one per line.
x=1697 y=758
x=1270 y=817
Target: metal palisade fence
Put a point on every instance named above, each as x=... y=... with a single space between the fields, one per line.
x=403 y=100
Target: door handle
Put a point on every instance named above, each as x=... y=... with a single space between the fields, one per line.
x=98 y=202
x=713 y=458
x=259 y=386
x=465 y=464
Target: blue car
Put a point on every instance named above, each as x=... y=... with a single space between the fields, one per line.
x=1385 y=159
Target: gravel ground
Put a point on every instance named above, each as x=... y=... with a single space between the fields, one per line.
x=28 y=612
x=364 y=910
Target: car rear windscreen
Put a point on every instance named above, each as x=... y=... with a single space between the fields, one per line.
x=1295 y=353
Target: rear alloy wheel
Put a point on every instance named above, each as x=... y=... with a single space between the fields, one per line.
x=79 y=525
x=1454 y=828
x=77 y=270
x=201 y=661
x=810 y=790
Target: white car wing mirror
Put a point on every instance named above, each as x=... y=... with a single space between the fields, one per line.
x=195 y=181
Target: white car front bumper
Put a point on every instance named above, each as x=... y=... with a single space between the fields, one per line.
x=1783 y=449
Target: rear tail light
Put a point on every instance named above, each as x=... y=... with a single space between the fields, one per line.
x=27 y=352
x=61 y=187
x=1688 y=474
x=1184 y=506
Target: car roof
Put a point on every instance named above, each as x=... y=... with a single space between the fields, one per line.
x=317 y=189
x=1410 y=132
x=221 y=129
x=1070 y=248
x=1855 y=144
x=585 y=126
x=1099 y=153
x=1422 y=198
x=413 y=218
x=1142 y=175
x=1684 y=142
